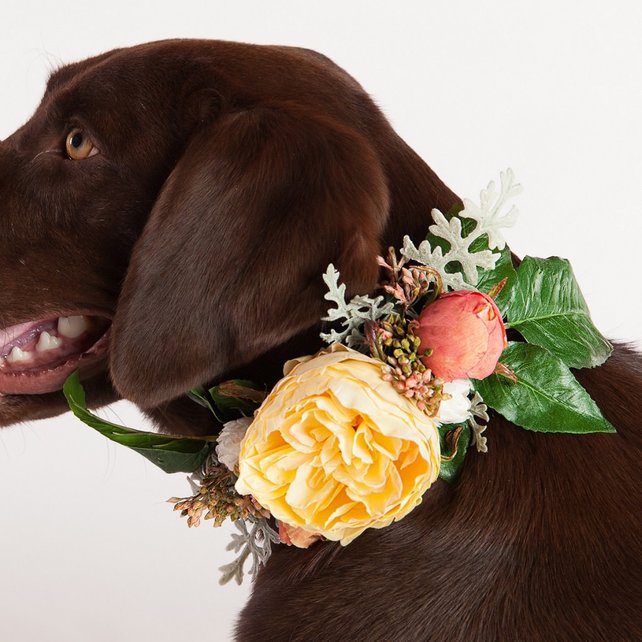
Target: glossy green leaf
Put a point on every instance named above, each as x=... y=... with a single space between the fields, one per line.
x=546 y=397
x=450 y=469
x=503 y=270
x=201 y=397
x=546 y=306
x=230 y=399
x=170 y=453
x=236 y=398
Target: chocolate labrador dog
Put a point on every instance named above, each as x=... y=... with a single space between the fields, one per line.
x=165 y=218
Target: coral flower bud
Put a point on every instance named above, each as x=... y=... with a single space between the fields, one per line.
x=466 y=334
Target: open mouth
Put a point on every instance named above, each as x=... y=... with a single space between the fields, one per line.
x=37 y=356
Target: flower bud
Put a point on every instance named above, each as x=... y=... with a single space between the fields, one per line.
x=466 y=334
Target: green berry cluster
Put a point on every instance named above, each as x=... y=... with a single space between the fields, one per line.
x=394 y=342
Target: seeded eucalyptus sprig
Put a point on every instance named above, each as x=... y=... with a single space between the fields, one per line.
x=409 y=285
x=217 y=499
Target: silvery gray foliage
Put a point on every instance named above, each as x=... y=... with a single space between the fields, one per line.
x=489 y=214
x=255 y=539
x=489 y=217
x=478 y=410
x=352 y=315
x=195 y=480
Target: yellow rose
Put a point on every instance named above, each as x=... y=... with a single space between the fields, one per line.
x=335 y=449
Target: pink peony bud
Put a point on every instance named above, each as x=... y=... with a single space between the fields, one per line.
x=466 y=334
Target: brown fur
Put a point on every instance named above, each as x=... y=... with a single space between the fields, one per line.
x=229 y=177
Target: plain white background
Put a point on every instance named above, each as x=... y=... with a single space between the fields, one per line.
x=88 y=548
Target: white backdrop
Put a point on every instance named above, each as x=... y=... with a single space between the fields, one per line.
x=88 y=548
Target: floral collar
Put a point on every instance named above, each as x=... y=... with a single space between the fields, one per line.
x=352 y=438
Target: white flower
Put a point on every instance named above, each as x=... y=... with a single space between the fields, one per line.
x=229 y=441
x=457 y=408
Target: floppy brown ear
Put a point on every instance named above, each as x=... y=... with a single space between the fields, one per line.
x=230 y=261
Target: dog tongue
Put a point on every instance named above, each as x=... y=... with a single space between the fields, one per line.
x=7 y=335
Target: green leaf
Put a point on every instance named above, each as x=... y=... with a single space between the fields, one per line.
x=503 y=270
x=236 y=398
x=170 y=453
x=450 y=469
x=230 y=399
x=546 y=306
x=199 y=395
x=487 y=279
x=454 y=210
x=546 y=397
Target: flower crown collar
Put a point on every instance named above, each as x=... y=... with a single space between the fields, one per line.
x=353 y=437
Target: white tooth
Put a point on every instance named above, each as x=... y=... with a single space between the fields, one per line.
x=72 y=327
x=47 y=342
x=18 y=356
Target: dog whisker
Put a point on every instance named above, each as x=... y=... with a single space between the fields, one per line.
x=46 y=151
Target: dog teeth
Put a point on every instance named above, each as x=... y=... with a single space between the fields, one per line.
x=47 y=342
x=18 y=356
x=72 y=327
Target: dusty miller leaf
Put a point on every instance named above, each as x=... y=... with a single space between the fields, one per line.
x=489 y=214
x=255 y=541
x=352 y=315
x=478 y=414
x=451 y=246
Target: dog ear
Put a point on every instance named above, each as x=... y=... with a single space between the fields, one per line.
x=229 y=263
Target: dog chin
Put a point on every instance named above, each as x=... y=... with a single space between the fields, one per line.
x=18 y=408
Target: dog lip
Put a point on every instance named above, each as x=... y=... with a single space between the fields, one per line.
x=89 y=359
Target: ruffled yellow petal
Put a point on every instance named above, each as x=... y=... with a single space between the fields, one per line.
x=335 y=449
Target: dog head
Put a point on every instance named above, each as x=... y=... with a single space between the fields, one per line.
x=167 y=213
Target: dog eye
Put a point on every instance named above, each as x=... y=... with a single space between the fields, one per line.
x=79 y=145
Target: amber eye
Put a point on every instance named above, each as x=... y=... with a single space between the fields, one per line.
x=79 y=145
